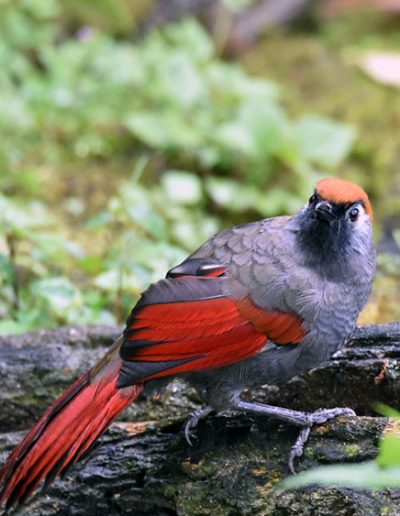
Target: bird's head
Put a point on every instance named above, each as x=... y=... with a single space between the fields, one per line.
x=336 y=221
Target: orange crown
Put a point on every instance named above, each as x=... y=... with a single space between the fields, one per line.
x=341 y=191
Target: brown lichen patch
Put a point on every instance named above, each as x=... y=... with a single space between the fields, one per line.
x=381 y=376
x=321 y=429
x=393 y=427
x=135 y=428
x=192 y=466
x=198 y=470
x=267 y=488
x=259 y=472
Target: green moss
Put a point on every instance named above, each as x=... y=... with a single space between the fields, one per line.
x=388 y=510
x=309 y=451
x=170 y=491
x=352 y=450
x=200 y=470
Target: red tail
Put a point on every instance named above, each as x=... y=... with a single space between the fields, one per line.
x=67 y=430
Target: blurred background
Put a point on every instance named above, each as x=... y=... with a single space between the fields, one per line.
x=132 y=130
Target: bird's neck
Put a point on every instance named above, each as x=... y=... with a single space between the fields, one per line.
x=333 y=255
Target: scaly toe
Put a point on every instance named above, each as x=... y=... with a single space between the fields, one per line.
x=192 y=423
x=323 y=415
x=189 y=430
x=298 y=447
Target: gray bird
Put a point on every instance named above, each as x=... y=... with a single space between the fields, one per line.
x=256 y=304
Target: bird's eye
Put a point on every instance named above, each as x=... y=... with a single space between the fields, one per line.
x=312 y=199
x=354 y=214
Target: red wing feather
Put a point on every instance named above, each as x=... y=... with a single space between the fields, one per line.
x=189 y=324
x=282 y=328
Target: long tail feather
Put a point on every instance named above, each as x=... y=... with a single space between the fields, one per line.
x=67 y=430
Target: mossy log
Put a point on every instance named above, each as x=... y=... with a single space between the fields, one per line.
x=146 y=467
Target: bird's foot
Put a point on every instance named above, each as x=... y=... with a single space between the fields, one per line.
x=314 y=418
x=193 y=421
x=323 y=415
x=305 y=420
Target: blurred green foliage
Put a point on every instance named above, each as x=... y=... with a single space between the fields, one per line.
x=320 y=70
x=205 y=141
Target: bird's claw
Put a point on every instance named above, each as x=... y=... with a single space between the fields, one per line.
x=315 y=418
x=192 y=423
x=189 y=427
x=298 y=447
x=323 y=415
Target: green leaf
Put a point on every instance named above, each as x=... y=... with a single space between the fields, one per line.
x=7 y=269
x=162 y=130
x=115 y=280
x=134 y=204
x=191 y=233
x=266 y=124
x=98 y=221
x=191 y=36
x=385 y=410
x=20 y=218
x=179 y=68
x=236 y=197
x=230 y=194
x=237 y=5
x=148 y=219
x=364 y=475
x=389 y=451
x=42 y=9
x=234 y=137
x=182 y=187
x=11 y=327
x=53 y=247
x=58 y=292
x=324 y=141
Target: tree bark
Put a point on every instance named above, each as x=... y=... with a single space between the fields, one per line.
x=147 y=468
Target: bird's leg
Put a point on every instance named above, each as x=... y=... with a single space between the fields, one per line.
x=296 y=417
x=193 y=421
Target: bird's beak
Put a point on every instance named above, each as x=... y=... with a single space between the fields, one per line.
x=324 y=212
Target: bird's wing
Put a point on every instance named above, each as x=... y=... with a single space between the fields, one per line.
x=191 y=322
